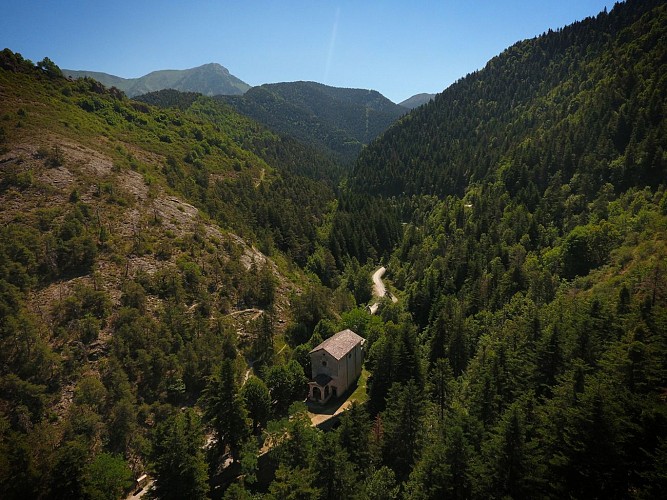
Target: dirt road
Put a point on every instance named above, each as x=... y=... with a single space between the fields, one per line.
x=379 y=290
x=378 y=287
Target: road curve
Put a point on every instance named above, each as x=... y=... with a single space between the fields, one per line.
x=378 y=287
x=379 y=290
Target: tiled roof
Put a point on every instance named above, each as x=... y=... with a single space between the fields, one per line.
x=339 y=344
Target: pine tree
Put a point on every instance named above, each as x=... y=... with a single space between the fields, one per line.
x=297 y=439
x=293 y=484
x=507 y=458
x=380 y=364
x=431 y=476
x=224 y=410
x=441 y=380
x=68 y=470
x=381 y=485
x=402 y=427
x=457 y=456
x=263 y=343
x=334 y=473
x=257 y=401
x=177 y=458
x=591 y=458
x=549 y=362
x=354 y=435
x=406 y=361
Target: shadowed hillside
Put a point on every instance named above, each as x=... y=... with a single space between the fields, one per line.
x=341 y=120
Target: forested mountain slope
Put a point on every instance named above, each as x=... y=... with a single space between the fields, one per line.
x=128 y=275
x=306 y=159
x=342 y=120
x=529 y=357
x=585 y=99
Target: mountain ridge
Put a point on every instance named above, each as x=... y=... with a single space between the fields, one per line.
x=208 y=79
x=342 y=120
x=417 y=100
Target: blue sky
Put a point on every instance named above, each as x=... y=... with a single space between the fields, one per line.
x=399 y=48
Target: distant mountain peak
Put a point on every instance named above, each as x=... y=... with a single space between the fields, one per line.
x=416 y=100
x=208 y=79
x=213 y=66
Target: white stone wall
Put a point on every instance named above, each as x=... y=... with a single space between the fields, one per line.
x=317 y=367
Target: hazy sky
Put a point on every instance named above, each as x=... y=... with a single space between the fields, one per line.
x=399 y=48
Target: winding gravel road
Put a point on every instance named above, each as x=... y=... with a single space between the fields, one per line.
x=379 y=290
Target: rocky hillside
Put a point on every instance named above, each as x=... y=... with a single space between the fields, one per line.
x=120 y=288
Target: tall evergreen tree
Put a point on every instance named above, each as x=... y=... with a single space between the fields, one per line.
x=334 y=473
x=380 y=364
x=293 y=484
x=549 y=362
x=354 y=435
x=431 y=476
x=224 y=410
x=591 y=459
x=258 y=402
x=67 y=479
x=298 y=439
x=458 y=456
x=177 y=458
x=403 y=429
x=440 y=383
x=263 y=342
x=381 y=485
x=508 y=459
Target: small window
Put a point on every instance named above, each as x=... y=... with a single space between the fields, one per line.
x=349 y=354
x=324 y=363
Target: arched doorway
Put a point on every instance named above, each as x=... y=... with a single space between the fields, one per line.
x=317 y=394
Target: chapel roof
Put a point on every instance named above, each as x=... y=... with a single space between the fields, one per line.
x=339 y=344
